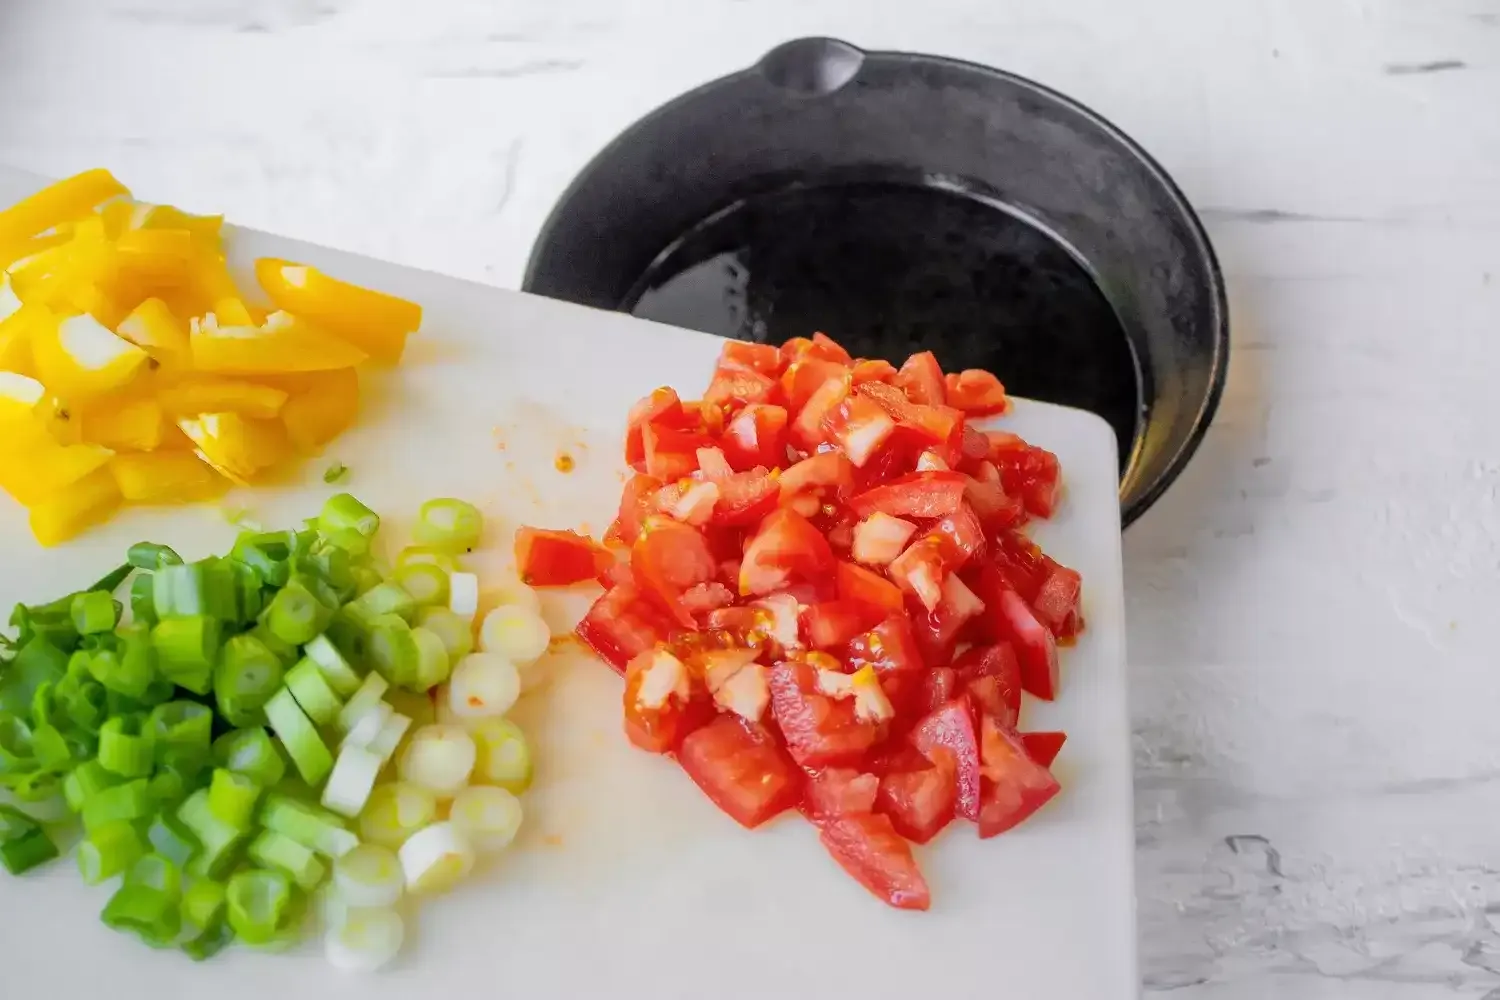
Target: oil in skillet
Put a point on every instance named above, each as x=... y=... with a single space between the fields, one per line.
x=888 y=269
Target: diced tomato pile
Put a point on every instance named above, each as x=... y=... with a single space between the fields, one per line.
x=828 y=603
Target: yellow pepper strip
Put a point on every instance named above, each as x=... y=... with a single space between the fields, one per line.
x=166 y=477
x=323 y=405
x=195 y=395
x=281 y=344
x=29 y=272
x=130 y=424
x=374 y=322
x=204 y=227
x=40 y=468
x=237 y=446
x=153 y=327
x=18 y=255
x=77 y=358
x=86 y=503
x=160 y=257
x=61 y=202
x=15 y=327
x=62 y=421
x=88 y=297
x=19 y=397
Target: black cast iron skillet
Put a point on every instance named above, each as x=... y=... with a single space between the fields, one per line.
x=904 y=202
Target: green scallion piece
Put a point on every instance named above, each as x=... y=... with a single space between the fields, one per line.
x=156 y=871
x=433 y=664
x=316 y=697
x=143 y=599
x=85 y=781
x=299 y=736
x=336 y=670
x=35 y=663
x=308 y=825
x=232 y=798
x=349 y=631
x=183 y=727
x=387 y=598
x=221 y=590
x=209 y=942
x=343 y=513
x=335 y=473
x=171 y=838
x=220 y=842
x=125 y=802
x=366 y=578
x=179 y=591
x=93 y=612
x=186 y=649
x=109 y=850
x=249 y=595
x=297 y=615
x=23 y=842
x=50 y=748
x=285 y=653
x=252 y=753
x=278 y=851
x=109 y=581
x=392 y=650
x=126 y=747
x=149 y=555
x=426 y=555
x=17 y=755
x=258 y=904
x=448 y=524
x=150 y=914
x=246 y=676
x=427 y=584
x=205 y=931
x=82 y=702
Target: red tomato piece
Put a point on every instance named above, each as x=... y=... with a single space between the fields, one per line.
x=833 y=624
x=860 y=427
x=876 y=370
x=976 y=392
x=996 y=510
x=621 y=625
x=820 y=347
x=1014 y=786
x=713 y=466
x=855 y=583
x=920 y=570
x=756 y=436
x=671 y=453
x=806 y=376
x=740 y=770
x=920 y=800
x=745 y=356
x=786 y=548
x=889 y=647
x=939 y=687
x=868 y=847
x=938 y=632
x=921 y=494
x=669 y=559
x=807 y=484
x=992 y=676
x=662 y=405
x=691 y=501
x=880 y=538
x=1008 y=618
x=974 y=446
x=921 y=378
x=950 y=728
x=659 y=728
x=809 y=427
x=820 y=731
x=960 y=535
x=1056 y=600
x=838 y=791
x=1029 y=472
x=637 y=502
x=559 y=558
x=745 y=498
x=739 y=386
x=1043 y=747
x=703 y=598
x=1022 y=563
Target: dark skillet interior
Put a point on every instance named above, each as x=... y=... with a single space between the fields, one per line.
x=902 y=203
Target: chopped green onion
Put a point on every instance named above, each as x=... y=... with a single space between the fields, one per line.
x=282 y=853
x=349 y=631
x=23 y=843
x=435 y=858
x=387 y=598
x=150 y=914
x=343 y=514
x=307 y=825
x=456 y=633
x=85 y=781
x=93 y=612
x=296 y=615
x=258 y=904
x=117 y=803
x=286 y=653
x=423 y=555
x=393 y=652
x=313 y=693
x=365 y=941
x=221 y=590
x=131 y=669
x=203 y=920
x=220 y=842
x=427 y=584
x=245 y=678
x=368 y=727
x=149 y=555
x=171 y=838
x=252 y=753
x=337 y=472
x=433 y=665
x=504 y=757
x=439 y=758
x=389 y=738
x=366 y=578
x=179 y=591
x=488 y=817
x=108 y=850
x=483 y=684
x=156 y=872
x=209 y=942
x=83 y=702
x=369 y=875
x=336 y=670
x=40 y=796
x=352 y=778
x=463 y=595
x=362 y=701
x=16 y=751
x=232 y=798
x=182 y=726
x=35 y=663
x=248 y=594
x=186 y=648
x=143 y=599
x=109 y=581
x=125 y=747
x=394 y=812
x=311 y=757
x=452 y=525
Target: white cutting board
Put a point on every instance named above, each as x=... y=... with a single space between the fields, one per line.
x=626 y=880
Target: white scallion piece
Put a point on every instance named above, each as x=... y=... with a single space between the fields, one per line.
x=369 y=875
x=352 y=778
x=395 y=812
x=335 y=669
x=511 y=591
x=456 y=632
x=391 y=734
x=482 y=685
x=365 y=940
x=367 y=727
x=463 y=595
x=488 y=817
x=438 y=758
x=370 y=692
x=433 y=665
x=519 y=635
x=435 y=858
x=504 y=755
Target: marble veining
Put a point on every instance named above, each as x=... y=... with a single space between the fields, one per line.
x=1312 y=617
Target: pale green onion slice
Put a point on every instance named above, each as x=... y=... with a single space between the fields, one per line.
x=351 y=780
x=427 y=584
x=463 y=595
x=450 y=525
x=511 y=591
x=439 y=758
x=368 y=727
x=487 y=817
x=392 y=733
x=503 y=756
x=364 y=940
x=369 y=875
x=483 y=684
x=433 y=665
x=300 y=737
x=336 y=670
x=368 y=695
x=395 y=812
x=521 y=636
x=456 y=632
x=435 y=858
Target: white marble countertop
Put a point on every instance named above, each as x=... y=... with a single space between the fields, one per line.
x=1316 y=688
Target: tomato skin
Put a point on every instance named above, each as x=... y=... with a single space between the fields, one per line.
x=733 y=387
x=992 y=677
x=1008 y=618
x=921 y=378
x=838 y=791
x=868 y=847
x=786 y=547
x=833 y=624
x=621 y=625
x=889 y=647
x=1014 y=785
x=671 y=454
x=920 y=494
x=820 y=346
x=1043 y=747
x=920 y=801
x=875 y=370
x=756 y=436
x=976 y=392
x=809 y=427
x=637 y=502
x=741 y=770
x=547 y=558
x=1056 y=600
x=766 y=359
x=668 y=560
x=661 y=406
x=938 y=632
x=939 y=687
x=997 y=510
x=1027 y=471
x=950 y=728
x=855 y=583
x=961 y=536
x=820 y=731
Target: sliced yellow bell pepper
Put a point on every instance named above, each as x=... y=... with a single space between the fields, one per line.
x=63 y=421
x=33 y=472
x=19 y=396
x=31 y=271
x=154 y=328
x=322 y=406
x=18 y=255
x=94 y=300
x=205 y=228
x=61 y=202
x=156 y=258
x=374 y=322
x=280 y=344
x=131 y=424
x=87 y=502
x=205 y=394
x=166 y=477
x=15 y=330
x=237 y=446
x=77 y=358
